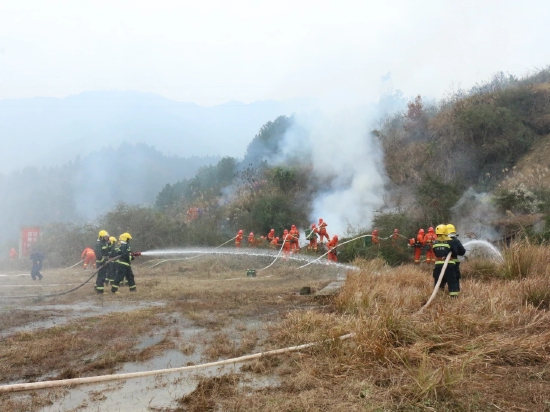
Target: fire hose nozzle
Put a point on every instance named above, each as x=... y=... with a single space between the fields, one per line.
x=136 y=254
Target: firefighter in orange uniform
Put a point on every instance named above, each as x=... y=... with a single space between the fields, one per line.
x=295 y=236
x=395 y=237
x=322 y=227
x=239 y=238
x=274 y=243
x=287 y=239
x=418 y=246
x=375 y=238
x=311 y=235
x=13 y=253
x=332 y=254
x=429 y=240
x=251 y=240
x=88 y=256
x=271 y=235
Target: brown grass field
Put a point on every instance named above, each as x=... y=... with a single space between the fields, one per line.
x=488 y=350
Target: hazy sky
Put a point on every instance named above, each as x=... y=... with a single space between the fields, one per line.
x=210 y=51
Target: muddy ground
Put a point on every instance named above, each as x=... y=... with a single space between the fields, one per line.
x=184 y=313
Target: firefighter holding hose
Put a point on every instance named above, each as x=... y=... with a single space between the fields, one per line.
x=418 y=246
x=102 y=252
x=442 y=247
x=451 y=230
x=123 y=263
x=429 y=240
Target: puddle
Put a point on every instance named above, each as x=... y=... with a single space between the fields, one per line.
x=141 y=394
x=61 y=314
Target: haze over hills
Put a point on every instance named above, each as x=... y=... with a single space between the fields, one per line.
x=46 y=131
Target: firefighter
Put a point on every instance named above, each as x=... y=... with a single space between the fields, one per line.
x=102 y=252
x=429 y=240
x=294 y=240
x=442 y=247
x=88 y=256
x=274 y=243
x=37 y=259
x=13 y=254
x=322 y=227
x=111 y=267
x=123 y=263
x=286 y=242
x=332 y=253
x=271 y=236
x=239 y=238
x=311 y=235
x=395 y=237
x=375 y=237
x=418 y=246
x=451 y=230
x=251 y=240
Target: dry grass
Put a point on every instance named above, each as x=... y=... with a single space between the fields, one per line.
x=488 y=350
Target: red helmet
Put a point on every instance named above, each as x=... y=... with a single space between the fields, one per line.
x=313 y=225
x=240 y=232
x=293 y=227
x=421 y=231
x=276 y=239
x=335 y=237
x=320 y=220
x=272 y=231
x=431 y=230
x=395 y=230
x=375 y=232
x=251 y=234
x=285 y=232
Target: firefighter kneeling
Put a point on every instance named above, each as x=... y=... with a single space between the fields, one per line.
x=123 y=268
x=441 y=248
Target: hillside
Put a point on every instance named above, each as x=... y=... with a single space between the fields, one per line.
x=492 y=140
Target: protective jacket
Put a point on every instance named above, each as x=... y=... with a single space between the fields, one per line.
x=102 y=251
x=125 y=254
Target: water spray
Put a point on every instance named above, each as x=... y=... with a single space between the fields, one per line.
x=187 y=258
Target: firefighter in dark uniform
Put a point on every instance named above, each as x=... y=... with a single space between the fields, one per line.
x=37 y=259
x=102 y=252
x=123 y=263
x=111 y=267
x=442 y=247
x=451 y=230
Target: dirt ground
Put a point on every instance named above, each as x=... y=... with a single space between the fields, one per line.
x=184 y=313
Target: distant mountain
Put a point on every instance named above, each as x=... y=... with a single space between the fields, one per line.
x=81 y=190
x=50 y=131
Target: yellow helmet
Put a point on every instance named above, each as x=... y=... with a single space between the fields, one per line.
x=102 y=233
x=112 y=240
x=451 y=228
x=125 y=237
x=441 y=230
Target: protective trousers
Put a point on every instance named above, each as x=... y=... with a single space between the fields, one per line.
x=417 y=254
x=124 y=270
x=450 y=278
x=101 y=276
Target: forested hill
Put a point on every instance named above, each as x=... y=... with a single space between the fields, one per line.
x=91 y=185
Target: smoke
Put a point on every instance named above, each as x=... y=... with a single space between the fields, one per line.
x=347 y=164
x=473 y=214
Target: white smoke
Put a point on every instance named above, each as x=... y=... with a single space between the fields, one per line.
x=473 y=214
x=347 y=162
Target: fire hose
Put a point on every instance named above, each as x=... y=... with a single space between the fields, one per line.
x=65 y=291
x=18 y=387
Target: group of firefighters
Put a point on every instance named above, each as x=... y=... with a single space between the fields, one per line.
x=113 y=261
x=290 y=239
x=437 y=244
